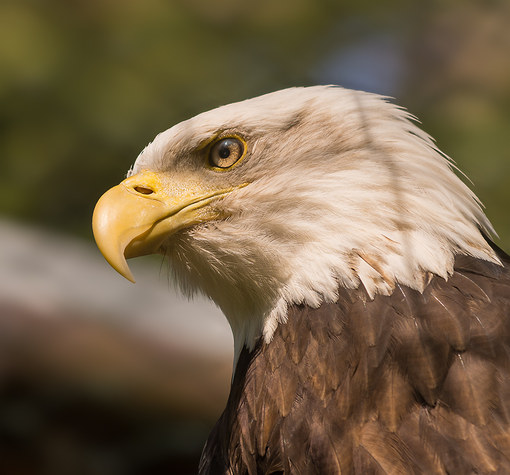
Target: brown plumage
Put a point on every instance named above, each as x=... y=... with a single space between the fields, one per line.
x=370 y=314
x=407 y=383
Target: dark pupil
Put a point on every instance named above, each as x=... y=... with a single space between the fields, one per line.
x=224 y=151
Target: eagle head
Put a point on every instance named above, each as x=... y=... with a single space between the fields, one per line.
x=284 y=198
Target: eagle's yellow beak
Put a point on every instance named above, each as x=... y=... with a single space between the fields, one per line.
x=135 y=217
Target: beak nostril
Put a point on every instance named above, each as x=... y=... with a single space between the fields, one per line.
x=143 y=190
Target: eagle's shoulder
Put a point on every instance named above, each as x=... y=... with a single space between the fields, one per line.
x=406 y=383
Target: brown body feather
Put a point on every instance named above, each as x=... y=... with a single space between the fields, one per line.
x=408 y=383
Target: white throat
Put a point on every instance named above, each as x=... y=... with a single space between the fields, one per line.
x=345 y=191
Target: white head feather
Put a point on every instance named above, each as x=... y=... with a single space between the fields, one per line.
x=344 y=191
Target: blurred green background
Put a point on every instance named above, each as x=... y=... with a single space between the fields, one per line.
x=84 y=86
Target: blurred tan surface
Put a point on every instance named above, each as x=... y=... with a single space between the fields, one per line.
x=91 y=365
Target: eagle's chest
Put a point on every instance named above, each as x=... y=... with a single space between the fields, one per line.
x=364 y=386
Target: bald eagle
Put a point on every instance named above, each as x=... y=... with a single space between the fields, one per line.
x=370 y=309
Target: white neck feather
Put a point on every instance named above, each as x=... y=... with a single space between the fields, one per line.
x=355 y=195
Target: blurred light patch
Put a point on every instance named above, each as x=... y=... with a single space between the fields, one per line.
x=98 y=375
x=48 y=273
x=374 y=64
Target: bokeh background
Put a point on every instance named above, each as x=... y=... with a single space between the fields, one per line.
x=98 y=376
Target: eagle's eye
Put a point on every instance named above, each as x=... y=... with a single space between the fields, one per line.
x=226 y=152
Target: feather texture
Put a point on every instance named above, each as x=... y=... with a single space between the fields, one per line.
x=406 y=383
x=370 y=313
x=342 y=190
